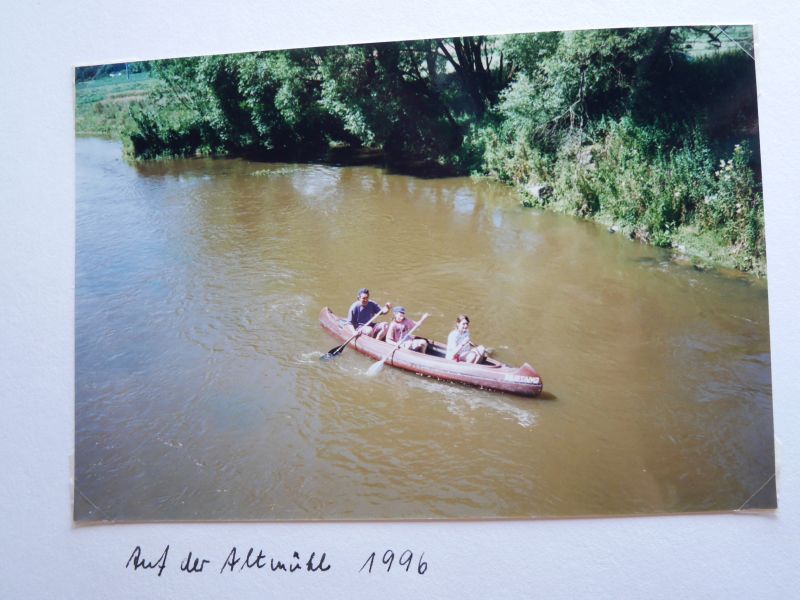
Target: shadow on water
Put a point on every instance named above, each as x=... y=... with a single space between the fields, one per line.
x=357 y=157
x=367 y=157
x=345 y=156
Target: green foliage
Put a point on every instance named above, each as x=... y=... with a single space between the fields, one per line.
x=256 y=104
x=160 y=133
x=527 y=51
x=102 y=104
x=497 y=149
x=631 y=127
x=470 y=157
x=625 y=125
x=571 y=179
x=567 y=80
x=735 y=208
x=642 y=180
x=390 y=96
x=717 y=92
x=415 y=100
x=347 y=72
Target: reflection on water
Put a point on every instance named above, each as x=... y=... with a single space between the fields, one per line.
x=199 y=393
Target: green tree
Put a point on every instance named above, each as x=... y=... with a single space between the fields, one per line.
x=564 y=81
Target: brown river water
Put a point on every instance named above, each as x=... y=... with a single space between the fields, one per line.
x=200 y=394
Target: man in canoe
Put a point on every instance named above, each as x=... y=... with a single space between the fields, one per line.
x=401 y=326
x=459 y=346
x=363 y=311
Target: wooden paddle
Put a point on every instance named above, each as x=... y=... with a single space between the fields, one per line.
x=334 y=352
x=378 y=366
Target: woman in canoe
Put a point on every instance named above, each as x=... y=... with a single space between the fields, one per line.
x=459 y=346
x=399 y=327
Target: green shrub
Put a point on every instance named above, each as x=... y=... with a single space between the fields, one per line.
x=735 y=208
x=157 y=134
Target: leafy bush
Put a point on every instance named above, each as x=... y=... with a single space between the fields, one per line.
x=735 y=208
x=158 y=134
x=642 y=180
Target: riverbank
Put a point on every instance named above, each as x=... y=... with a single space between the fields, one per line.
x=631 y=179
x=624 y=127
x=703 y=249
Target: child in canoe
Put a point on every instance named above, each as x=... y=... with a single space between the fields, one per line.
x=399 y=327
x=459 y=346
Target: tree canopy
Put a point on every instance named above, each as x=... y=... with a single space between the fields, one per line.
x=418 y=99
x=610 y=119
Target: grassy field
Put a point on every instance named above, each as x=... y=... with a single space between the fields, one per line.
x=102 y=105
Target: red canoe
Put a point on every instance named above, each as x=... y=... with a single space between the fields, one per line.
x=491 y=374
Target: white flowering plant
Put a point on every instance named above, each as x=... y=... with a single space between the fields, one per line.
x=735 y=208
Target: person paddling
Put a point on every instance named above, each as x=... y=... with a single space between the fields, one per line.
x=459 y=346
x=399 y=327
x=361 y=313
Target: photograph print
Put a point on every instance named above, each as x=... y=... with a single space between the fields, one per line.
x=498 y=276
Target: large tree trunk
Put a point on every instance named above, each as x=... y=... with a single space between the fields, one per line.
x=474 y=75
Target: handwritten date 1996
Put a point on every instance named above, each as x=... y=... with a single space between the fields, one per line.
x=405 y=560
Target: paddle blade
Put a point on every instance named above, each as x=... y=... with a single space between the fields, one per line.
x=375 y=369
x=332 y=353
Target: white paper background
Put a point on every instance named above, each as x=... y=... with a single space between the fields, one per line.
x=43 y=556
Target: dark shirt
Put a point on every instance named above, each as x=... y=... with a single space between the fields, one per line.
x=360 y=315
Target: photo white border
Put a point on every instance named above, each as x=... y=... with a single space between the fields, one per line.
x=43 y=555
